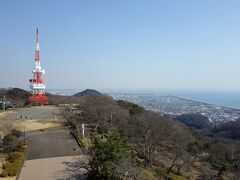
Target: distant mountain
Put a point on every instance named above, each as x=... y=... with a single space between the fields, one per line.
x=196 y=121
x=87 y=92
x=17 y=97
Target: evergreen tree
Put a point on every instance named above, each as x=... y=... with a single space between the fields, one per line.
x=107 y=152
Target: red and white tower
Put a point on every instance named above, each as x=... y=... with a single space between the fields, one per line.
x=38 y=95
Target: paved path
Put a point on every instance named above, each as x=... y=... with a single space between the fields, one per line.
x=51 y=169
x=51 y=143
x=49 y=154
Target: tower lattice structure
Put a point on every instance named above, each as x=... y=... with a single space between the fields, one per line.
x=37 y=86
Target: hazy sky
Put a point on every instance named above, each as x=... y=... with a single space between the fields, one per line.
x=169 y=44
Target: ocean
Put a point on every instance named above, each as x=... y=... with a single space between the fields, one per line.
x=227 y=99
x=222 y=98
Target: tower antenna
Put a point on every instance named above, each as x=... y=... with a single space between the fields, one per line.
x=38 y=95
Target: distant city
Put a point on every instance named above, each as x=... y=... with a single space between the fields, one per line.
x=172 y=105
x=165 y=103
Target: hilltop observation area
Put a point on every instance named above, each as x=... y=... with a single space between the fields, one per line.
x=29 y=119
x=50 y=148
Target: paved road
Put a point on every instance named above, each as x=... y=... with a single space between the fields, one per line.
x=51 y=143
x=52 y=169
x=49 y=155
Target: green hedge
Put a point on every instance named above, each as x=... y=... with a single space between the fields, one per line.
x=11 y=167
x=72 y=122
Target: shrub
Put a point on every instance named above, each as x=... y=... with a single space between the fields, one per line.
x=4 y=174
x=12 y=166
x=106 y=153
x=11 y=141
x=8 y=140
x=11 y=169
x=17 y=133
x=13 y=156
x=72 y=122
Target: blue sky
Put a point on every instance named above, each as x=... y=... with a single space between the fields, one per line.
x=149 y=44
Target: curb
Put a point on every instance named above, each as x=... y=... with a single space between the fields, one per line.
x=80 y=145
x=21 y=165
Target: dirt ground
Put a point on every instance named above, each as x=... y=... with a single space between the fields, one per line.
x=28 y=119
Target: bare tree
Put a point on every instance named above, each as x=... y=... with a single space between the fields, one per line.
x=235 y=161
x=205 y=172
x=180 y=140
x=149 y=135
x=102 y=111
x=129 y=168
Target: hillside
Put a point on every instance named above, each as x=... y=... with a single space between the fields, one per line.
x=120 y=134
x=229 y=129
x=17 y=97
x=196 y=121
x=87 y=92
x=74 y=99
x=157 y=147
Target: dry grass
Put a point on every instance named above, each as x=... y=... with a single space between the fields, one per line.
x=86 y=142
x=31 y=125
